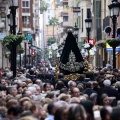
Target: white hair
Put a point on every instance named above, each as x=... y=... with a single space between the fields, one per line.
x=31 y=88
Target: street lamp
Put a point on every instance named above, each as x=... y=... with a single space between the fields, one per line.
x=13 y=6
x=29 y=45
x=20 y=33
x=88 y=24
x=10 y=23
x=76 y=30
x=25 y=46
x=114 y=8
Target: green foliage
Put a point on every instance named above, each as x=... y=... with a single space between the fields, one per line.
x=11 y=39
x=20 y=49
x=113 y=42
x=53 y=21
x=29 y=55
x=22 y=37
x=51 y=40
x=43 y=6
x=7 y=55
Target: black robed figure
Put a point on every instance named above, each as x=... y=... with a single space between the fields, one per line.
x=71 y=60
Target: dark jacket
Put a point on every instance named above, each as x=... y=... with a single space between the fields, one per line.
x=88 y=91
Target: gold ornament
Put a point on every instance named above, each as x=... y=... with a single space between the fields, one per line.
x=73 y=76
x=57 y=71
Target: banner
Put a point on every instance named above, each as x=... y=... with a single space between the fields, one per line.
x=76 y=9
x=109 y=48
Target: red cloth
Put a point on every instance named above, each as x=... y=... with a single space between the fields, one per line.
x=0 y=73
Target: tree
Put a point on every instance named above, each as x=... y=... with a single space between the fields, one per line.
x=43 y=6
x=53 y=21
x=51 y=40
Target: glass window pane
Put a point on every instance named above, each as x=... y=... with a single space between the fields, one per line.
x=23 y=3
x=98 y=9
x=27 y=5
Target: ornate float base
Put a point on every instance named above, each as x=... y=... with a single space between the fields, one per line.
x=73 y=76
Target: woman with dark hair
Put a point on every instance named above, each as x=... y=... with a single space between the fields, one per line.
x=105 y=114
x=76 y=112
x=115 y=115
x=61 y=114
x=14 y=112
x=88 y=105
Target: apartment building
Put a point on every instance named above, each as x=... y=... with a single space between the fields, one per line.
x=67 y=18
x=103 y=56
x=29 y=16
x=29 y=22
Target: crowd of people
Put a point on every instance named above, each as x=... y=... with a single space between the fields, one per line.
x=35 y=94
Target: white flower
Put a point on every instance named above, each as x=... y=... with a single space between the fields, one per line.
x=87 y=45
x=84 y=52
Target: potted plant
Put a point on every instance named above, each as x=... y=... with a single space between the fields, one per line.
x=29 y=55
x=113 y=42
x=11 y=39
x=20 y=49
x=7 y=55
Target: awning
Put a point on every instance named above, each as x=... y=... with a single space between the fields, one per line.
x=100 y=42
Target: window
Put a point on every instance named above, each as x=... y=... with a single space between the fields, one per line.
x=25 y=19
x=65 y=4
x=65 y=19
x=105 y=7
x=98 y=14
x=88 y=13
x=98 y=9
x=82 y=21
x=48 y=17
x=25 y=4
x=36 y=22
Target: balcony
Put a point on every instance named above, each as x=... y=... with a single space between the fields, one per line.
x=26 y=25
x=25 y=10
x=66 y=24
x=36 y=27
x=36 y=15
x=64 y=14
x=36 y=5
x=4 y=1
x=65 y=0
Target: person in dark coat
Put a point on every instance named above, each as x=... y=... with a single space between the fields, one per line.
x=88 y=89
x=111 y=92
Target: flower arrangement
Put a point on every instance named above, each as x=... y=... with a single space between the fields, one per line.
x=88 y=46
x=29 y=55
x=20 y=49
x=11 y=39
x=113 y=42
